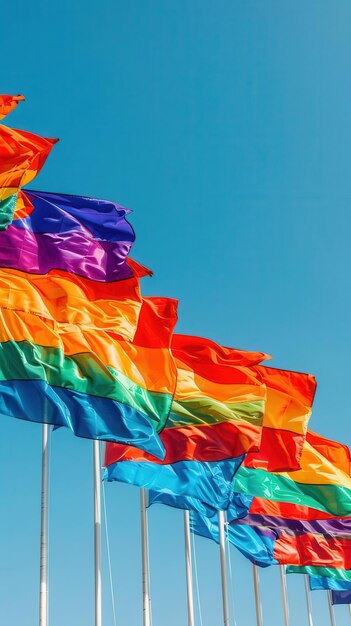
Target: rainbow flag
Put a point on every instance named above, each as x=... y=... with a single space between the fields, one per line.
x=319 y=484
x=288 y=408
x=79 y=347
x=211 y=420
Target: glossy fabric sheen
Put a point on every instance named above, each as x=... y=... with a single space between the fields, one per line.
x=328 y=572
x=288 y=408
x=211 y=483
x=8 y=103
x=87 y=416
x=22 y=156
x=318 y=484
x=257 y=546
x=322 y=582
x=313 y=549
x=194 y=443
x=79 y=235
x=260 y=506
x=333 y=527
x=70 y=299
x=237 y=506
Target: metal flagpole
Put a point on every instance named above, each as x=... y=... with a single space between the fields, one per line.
x=97 y=532
x=284 y=594
x=350 y=611
x=259 y=618
x=308 y=600
x=222 y=550
x=331 y=609
x=145 y=560
x=189 y=569
x=44 y=591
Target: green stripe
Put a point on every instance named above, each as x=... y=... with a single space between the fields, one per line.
x=332 y=499
x=329 y=572
x=82 y=372
x=211 y=411
x=7 y=209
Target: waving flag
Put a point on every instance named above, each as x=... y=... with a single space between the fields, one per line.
x=288 y=408
x=319 y=484
x=341 y=597
x=8 y=104
x=256 y=544
x=211 y=420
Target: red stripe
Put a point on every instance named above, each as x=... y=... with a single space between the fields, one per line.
x=213 y=442
x=311 y=549
x=280 y=451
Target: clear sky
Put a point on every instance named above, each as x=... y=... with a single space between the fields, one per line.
x=225 y=126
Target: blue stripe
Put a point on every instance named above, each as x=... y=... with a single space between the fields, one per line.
x=341 y=597
x=210 y=483
x=87 y=416
x=322 y=582
x=256 y=546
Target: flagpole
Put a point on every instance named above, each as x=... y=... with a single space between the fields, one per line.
x=44 y=548
x=308 y=600
x=189 y=569
x=97 y=532
x=145 y=560
x=284 y=594
x=349 y=611
x=331 y=609
x=259 y=618
x=222 y=551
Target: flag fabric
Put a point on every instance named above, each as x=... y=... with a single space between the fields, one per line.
x=319 y=484
x=322 y=582
x=8 y=103
x=341 y=597
x=255 y=544
x=296 y=519
x=237 y=504
x=315 y=570
x=22 y=155
x=313 y=549
x=287 y=411
x=90 y=379
x=208 y=484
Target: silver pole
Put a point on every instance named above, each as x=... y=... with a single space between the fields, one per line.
x=97 y=532
x=331 y=609
x=259 y=618
x=145 y=560
x=44 y=590
x=284 y=594
x=222 y=551
x=349 y=611
x=189 y=569
x=308 y=600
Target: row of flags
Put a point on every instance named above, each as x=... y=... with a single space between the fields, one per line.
x=202 y=427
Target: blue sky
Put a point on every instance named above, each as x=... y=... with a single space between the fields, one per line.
x=225 y=126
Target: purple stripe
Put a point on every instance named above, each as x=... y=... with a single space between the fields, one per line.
x=104 y=261
x=335 y=527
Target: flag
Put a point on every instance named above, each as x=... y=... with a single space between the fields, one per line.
x=8 y=104
x=255 y=544
x=287 y=411
x=319 y=484
x=90 y=379
x=211 y=420
x=313 y=549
